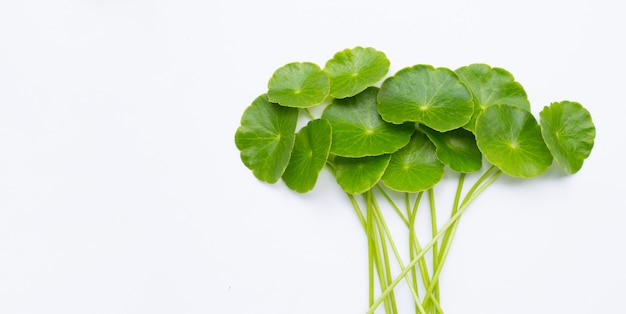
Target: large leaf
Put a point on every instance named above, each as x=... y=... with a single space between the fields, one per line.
x=457 y=149
x=569 y=132
x=491 y=86
x=510 y=138
x=359 y=131
x=351 y=71
x=358 y=175
x=434 y=97
x=298 y=84
x=266 y=137
x=415 y=167
x=309 y=155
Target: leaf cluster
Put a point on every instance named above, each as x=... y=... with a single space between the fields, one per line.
x=406 y=131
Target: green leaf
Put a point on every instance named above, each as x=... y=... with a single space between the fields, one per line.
x=351 y=71
x=359 y=175
x=423 y=94
x=298 y=84
x=569 y=132
x=308 y=156
x=457 y=149
x=491 y=86
x=359 y=131
x=415 y=167
x=510 y=138
x=266 y=137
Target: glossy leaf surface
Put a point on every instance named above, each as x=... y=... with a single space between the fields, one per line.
x=308 y=156
x=415 y=167
x=266 y=137
x=359 y=131
x=457 y=149
x=351 y=71
x=491 y=86
x=434 y=97
x=510 y=138
x=298 y=84
x=358 y=175
x=569 y=132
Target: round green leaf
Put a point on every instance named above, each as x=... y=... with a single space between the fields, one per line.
x=359 y=131
x=308 y=156
x=423 y=94
x=510 y=138
x=491 y=86
x=457 y=149
x=298 y=84
x=569 y=132
x=351 y=71
x=415 y=167
x=358 y=175
x=266 y=137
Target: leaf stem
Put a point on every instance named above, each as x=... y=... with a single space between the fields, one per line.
x=476 y=189
x=433 y=221
x=370 y=254
x=383 y=225
x=393 y=204
x=411 y=215
x=357 y=209
x=376 y=248
x=308 y=113
x=435 y=239
x=422 y=264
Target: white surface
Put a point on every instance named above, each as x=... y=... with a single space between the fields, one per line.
x=121 y=190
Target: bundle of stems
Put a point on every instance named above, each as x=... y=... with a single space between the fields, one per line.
x=421 y=277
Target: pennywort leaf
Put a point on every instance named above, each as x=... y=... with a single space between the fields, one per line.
x=457 y=149
x=359 y=175
x=359 y=131
x=415 y=167
x=434 y=97
x=298 y=84
x=569 y=133
x=266 y=137
x=491 y=86
x=351 y=71
x=510 y=138
x=309 y=155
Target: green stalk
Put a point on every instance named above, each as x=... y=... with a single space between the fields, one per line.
x=357 y=209
x=411 y=215
x=422 y=265
x=476 y=189
x=455 y=205
x=308 y=113
x=370 y=253
x=430 y=244
x=383 y=225
x=385 y=261
x=391 y=202
x=378 y=263
x=433 y=221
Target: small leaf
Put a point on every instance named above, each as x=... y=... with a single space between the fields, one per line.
x=415 y=167
x=491 y=86
x=359 y=175
x=298 y=84
x=569 y=132
x=308 y=156
x=457 y=149
x=510 y=138
x=423 y=94
x=359 y=131
x=351 y=71
x=266 y=137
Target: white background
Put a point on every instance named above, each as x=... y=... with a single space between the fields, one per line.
x=121 y=189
